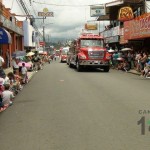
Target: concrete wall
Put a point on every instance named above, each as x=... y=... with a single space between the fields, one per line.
x=29 y=34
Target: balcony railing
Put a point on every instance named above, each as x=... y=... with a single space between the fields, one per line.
x=10 y=25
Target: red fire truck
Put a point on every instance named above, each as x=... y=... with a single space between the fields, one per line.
x=63 y=54
x=88 y=51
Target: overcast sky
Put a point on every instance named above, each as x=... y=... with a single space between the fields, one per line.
x=69 y=18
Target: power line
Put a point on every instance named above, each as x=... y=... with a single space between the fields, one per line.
x=66 y=5
x=27 y=12
x=12 y=4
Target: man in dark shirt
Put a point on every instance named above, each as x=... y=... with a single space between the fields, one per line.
x=36 y=62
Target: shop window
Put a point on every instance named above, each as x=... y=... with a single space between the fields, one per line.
x=121 y=24
x=137 y=12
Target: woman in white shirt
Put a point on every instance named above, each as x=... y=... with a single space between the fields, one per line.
x=15 y=66
x=24 y=73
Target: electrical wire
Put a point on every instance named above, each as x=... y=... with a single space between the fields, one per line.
x=20 y=6
x=26 y=6
x=12 y=4
x=65 y=5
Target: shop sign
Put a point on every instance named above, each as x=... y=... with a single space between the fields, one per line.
x=122 y=40
x=46 y=13
x=137 y=28
x=97 y=11
x=92 y=26
x=125 y=14
x=113 y=39
x=42 y=43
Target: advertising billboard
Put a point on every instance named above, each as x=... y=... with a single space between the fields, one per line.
x=137 y=28
x=91 y=26
x=125 y=14
x=96 y=11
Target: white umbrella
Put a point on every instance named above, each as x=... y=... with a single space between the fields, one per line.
x=120 y=59
x=126 y=49
x=30 y=54
x=111 y=51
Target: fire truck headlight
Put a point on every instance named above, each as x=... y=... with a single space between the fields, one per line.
x=82 y=57
x=90 y=49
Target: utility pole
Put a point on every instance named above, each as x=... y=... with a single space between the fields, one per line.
x=45 y=14
x=43 y=35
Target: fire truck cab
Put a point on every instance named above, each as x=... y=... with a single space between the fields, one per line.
x=88 y=51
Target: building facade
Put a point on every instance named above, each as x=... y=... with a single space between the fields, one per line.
x=134 y=31
x=11 y=33
x=29 y=35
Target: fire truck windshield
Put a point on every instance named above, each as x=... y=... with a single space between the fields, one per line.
x=91 y=43
x=64 y=52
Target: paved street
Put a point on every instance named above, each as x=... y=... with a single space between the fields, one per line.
x=62 y=109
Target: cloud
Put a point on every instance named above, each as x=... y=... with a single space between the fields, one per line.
x=67 y=21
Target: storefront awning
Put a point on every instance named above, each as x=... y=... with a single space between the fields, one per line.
x=5 y=37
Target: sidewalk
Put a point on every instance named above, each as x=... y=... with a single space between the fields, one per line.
x=30 y=74
x=134 y=72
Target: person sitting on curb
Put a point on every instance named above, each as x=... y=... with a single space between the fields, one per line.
x=146 y=71
x=15 y=82
x=7 y=96
x=2 y=108
x=124 y=66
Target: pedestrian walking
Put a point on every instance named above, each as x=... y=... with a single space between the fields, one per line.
x=24 y=74
x=36 y=62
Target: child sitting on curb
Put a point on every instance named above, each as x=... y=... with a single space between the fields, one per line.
x=15 y=84
x=2 y=108
x=7 y=96
x=146 y=71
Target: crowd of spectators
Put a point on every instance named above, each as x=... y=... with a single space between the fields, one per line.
x=10 y=85
x=127 y=60
x=13 y=82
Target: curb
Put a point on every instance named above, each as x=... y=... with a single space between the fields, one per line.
x=134 y=73
x=31 y=76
